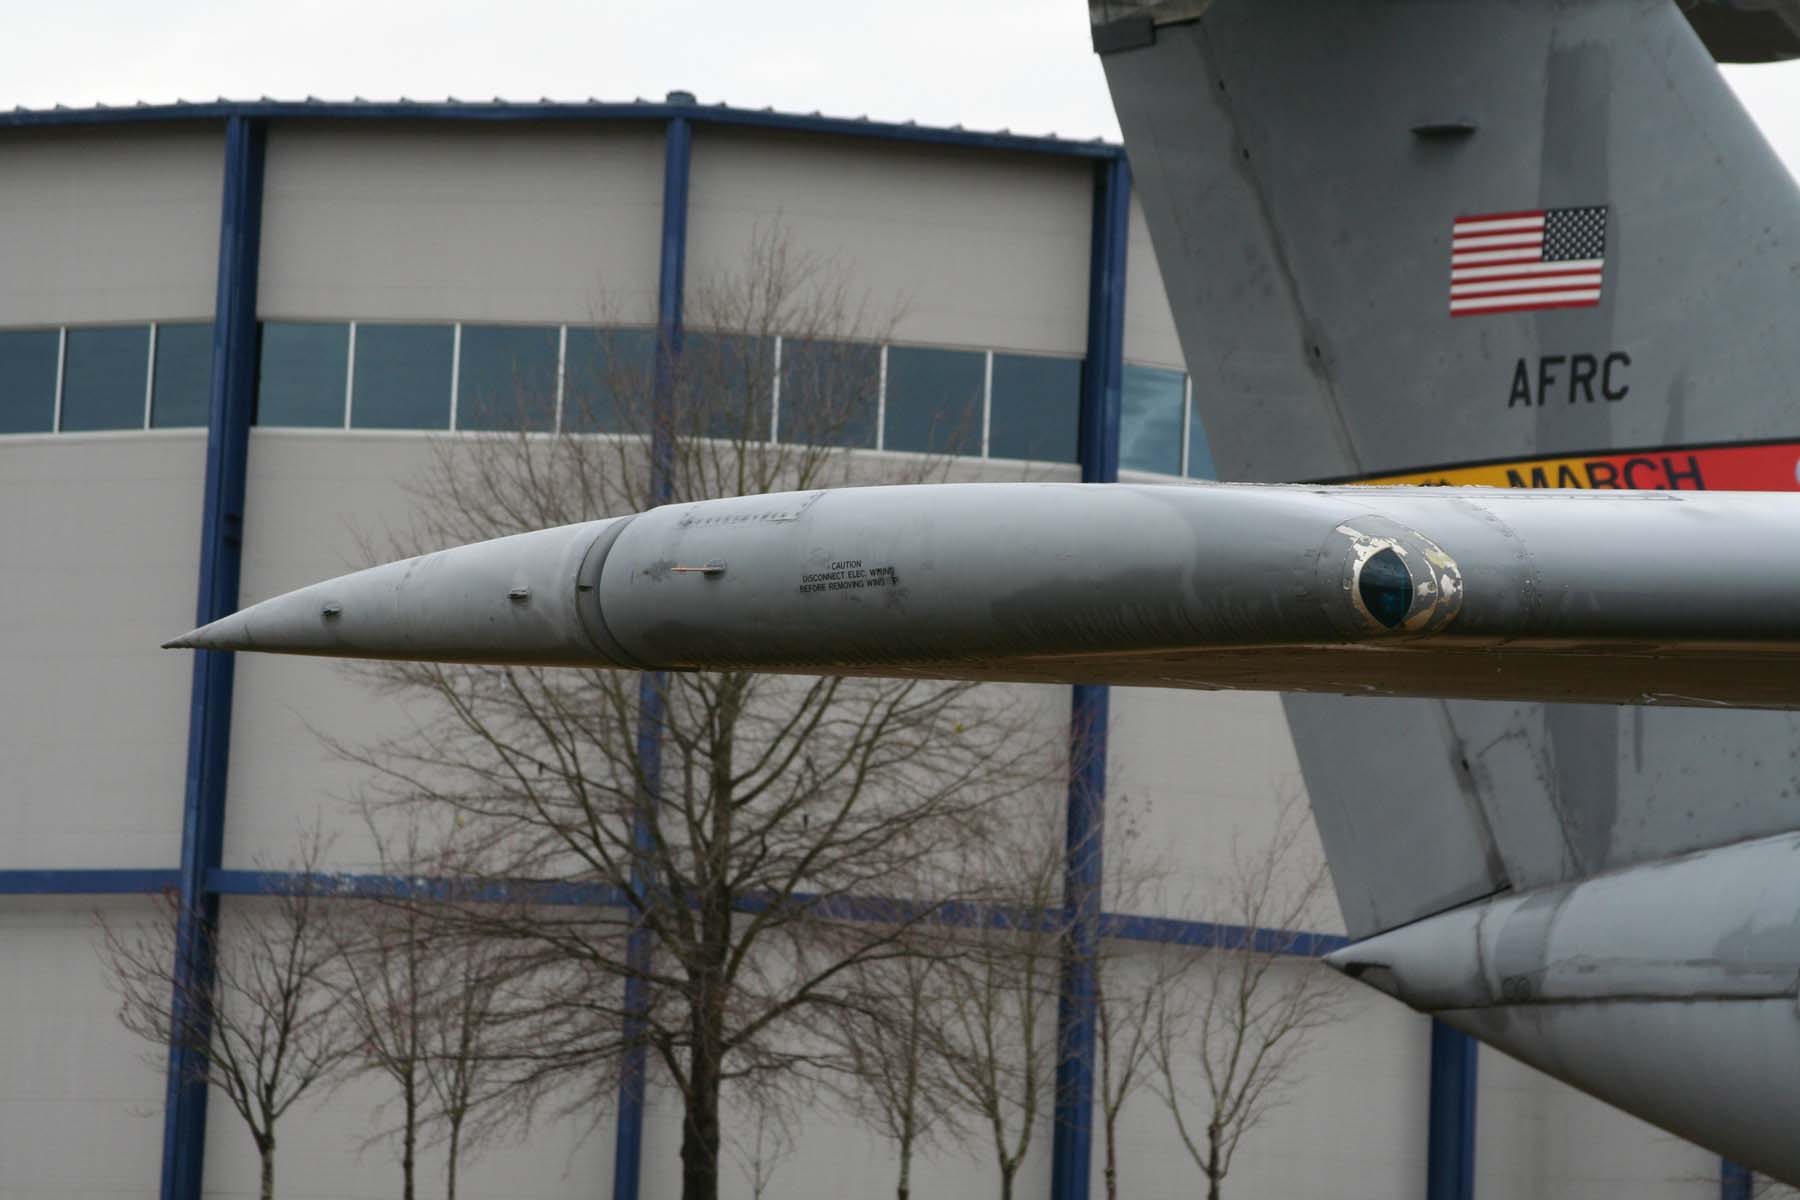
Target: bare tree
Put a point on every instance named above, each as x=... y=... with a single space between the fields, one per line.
x=1131 y=981
x=1226 y=1046
x=264 y=1020
x=770 y=1142
x=997 y=1035
x=386 y=997
x=421 y=1001
x=885 y=1035
x=459 y=1068
x=781 y=800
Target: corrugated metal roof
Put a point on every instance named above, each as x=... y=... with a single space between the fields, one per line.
x=676 y=104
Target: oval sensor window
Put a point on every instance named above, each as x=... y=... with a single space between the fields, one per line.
x=1386 y=588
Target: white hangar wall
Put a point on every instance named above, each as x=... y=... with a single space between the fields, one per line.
x=376 y=221
x=966 y=248
x=99 y=537
x=434 y=223
x=80 y=1098
x=109 y=224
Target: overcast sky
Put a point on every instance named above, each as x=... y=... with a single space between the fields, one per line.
x=1023 y=65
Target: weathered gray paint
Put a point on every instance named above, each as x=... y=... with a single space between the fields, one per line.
x=1318 y=334
x=1638 y=986
x=1364 y=783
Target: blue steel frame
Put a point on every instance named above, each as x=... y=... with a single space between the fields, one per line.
x=1450 y=1140
x=120 y=881
x=226 y=881
x=628 y=1143
x=200 y=880
x=209 y=720
x=1735 y=1182
x=1072 y=1132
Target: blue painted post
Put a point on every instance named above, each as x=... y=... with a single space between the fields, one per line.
x=1735 y=1182
x=1450 y=1138
x=1103 y=373
x=628 y=1144
x=1072 y=1138
x=209 y=709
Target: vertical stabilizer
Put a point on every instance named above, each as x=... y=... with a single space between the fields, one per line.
x=1518 y=242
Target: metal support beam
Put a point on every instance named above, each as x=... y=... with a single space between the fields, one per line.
x=1450 y=1138
x=1103 y=373
x=628 y=1143
x=106 y=881
x=1735 y=1182
x=1072 y=1138
x=233 y=392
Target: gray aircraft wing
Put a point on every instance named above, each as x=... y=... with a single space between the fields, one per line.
x=1647 y=598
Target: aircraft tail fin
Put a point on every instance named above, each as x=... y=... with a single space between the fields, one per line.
x=1517 y=242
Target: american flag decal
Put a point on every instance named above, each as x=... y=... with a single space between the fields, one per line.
x=1510 y=262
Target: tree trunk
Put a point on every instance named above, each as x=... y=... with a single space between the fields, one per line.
x=706 y=978
x=909 y=1107
x=706 y=1025
x=455 y=1151
x=265 y=1146
x=1215 y=1181
x=1006 y=1182
x=409 y=1139
x=700 y=1129
x=1112 y=1156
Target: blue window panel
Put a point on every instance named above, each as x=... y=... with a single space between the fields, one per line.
x=609 y=380
x=1150 y=420
x=934 y=400
x=402 y=377
x=1200 y=460
x=300 y=379
x=104 y=375
x=181 y=390
x=1035 y=411
x=506 y=378
x=830 y=393
x=725 y=387
x=27 y=380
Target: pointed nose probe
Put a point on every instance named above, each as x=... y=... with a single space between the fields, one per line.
x=530 y=599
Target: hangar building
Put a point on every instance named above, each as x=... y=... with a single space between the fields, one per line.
x=371 y=268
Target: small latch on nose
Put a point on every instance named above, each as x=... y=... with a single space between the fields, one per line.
x=715 y=567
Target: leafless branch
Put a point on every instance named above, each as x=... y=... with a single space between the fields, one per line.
x=1226 y=1046
x=262 y=1023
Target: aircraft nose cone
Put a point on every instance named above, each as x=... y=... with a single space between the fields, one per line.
x=1432 y=965
x=521 y=599
x=227 y=633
